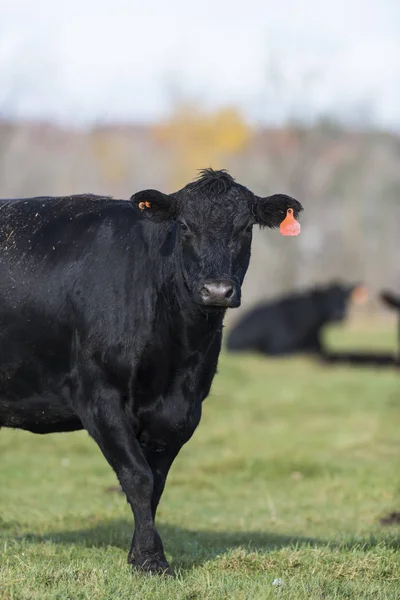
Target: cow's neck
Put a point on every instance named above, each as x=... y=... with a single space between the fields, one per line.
x=194 y=327
x=202 y=327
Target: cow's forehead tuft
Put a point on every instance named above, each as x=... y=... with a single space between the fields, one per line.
x=214 y=186
x=233 y=201
x=215 y=200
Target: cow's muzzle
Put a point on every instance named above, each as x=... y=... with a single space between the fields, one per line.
x=219 y=292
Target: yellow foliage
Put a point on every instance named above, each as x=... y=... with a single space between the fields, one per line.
x=200 y=139
x=110 y=156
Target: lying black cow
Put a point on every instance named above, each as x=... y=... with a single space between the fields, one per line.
x=111 y=321
x=292 y=324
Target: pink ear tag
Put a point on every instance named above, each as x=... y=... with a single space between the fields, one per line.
x=289 y=225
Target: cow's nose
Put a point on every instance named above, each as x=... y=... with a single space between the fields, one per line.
x=219 y=293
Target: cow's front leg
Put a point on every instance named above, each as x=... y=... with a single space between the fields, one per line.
x=172 y=428
x=106 y=421
x=160 y=461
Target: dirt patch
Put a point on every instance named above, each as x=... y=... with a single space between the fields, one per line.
x=391 y=519
x=114 y=489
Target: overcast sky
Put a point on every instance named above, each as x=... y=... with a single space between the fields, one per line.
x=85 y=60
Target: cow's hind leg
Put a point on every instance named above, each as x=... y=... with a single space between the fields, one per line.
x=107 y=423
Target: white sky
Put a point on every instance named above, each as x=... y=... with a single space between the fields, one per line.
x=83 y=60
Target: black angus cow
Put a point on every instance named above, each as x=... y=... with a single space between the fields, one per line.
x=111 y=321
x=292 y=324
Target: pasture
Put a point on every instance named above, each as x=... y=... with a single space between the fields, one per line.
x=286 y=478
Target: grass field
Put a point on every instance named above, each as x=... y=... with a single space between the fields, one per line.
x=286 y=478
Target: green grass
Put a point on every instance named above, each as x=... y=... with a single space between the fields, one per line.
x=287 y=476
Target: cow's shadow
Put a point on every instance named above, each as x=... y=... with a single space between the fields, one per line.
x=188 y=547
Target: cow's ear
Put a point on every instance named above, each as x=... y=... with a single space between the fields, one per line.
x=272 y=210
x=156 y=205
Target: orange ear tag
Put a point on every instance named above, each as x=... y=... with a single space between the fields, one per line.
x=143 y=205
x=359 y=295
x=289 y=225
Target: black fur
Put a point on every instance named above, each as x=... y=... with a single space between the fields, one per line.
x=103 y=324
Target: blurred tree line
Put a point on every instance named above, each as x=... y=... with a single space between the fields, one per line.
x=348 y=180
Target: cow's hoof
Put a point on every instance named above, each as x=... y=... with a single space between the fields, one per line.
x=151 y=566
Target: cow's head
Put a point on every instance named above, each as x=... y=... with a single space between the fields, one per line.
x=334 y=299
x=213 y=219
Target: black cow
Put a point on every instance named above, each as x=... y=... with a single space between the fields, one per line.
x=292 y=324
x=111 y=321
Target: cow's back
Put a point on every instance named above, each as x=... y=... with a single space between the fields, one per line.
x=48 y=246
x=57 y=269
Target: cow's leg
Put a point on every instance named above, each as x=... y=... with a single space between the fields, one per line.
x=160 y=462
x=316 y=343
x=106 y=421
x=176 y=426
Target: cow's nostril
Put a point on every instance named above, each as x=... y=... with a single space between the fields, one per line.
x=206 y=290
x=218 y=293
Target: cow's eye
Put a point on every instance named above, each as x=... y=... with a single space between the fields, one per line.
x=184 y=227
